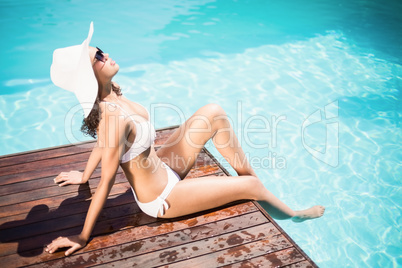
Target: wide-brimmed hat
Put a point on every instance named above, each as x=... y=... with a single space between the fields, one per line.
x=72 y=70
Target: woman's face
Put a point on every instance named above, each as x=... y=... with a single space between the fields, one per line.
x=105 y=68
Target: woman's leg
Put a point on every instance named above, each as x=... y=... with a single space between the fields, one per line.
x=213 y=191
x=180 y=151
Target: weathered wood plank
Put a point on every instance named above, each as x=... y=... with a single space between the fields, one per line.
x=145 y=227
x=163 y=134
x=302 y=264
x=54 y=224
x=37 y=165
x=238 y=253
x=53 y=201
x=276 y=259
x=50 y=171
x=197 y=249
x=26 y=157
x=40 y=183
x=129 y=248
x=51 y=190
x=68 y=207
x=201 y=171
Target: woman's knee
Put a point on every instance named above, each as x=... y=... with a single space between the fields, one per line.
x=208 y=114
x=216 y=116
x=255 y=187
x=214 y=110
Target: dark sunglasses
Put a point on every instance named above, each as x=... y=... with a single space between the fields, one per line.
x=99 y=55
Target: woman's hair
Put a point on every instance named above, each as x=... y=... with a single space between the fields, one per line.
x=91 y=122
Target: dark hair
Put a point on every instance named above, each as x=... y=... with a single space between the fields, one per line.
x=91 y=122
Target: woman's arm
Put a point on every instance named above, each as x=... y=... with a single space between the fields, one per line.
x=110 y=163
x=77 y=177
x=112 y=141
x=93 y=162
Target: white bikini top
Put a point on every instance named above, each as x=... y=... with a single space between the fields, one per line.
x=144 y=138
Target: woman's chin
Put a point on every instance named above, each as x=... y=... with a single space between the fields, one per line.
x=116 y=69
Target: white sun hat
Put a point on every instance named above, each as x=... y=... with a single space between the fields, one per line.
x=72 y=70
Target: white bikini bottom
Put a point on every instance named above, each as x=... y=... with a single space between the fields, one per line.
x=159 y=205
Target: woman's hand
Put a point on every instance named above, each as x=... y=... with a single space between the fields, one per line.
x=72 y=177
x=74 y=243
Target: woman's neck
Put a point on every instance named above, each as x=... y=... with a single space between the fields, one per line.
x=106 y=92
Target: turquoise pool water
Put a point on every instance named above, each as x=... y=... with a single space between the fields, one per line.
x=313 y=89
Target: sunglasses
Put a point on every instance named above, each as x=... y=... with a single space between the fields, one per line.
x=99 y=55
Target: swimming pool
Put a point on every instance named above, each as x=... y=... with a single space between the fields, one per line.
x=313 y=89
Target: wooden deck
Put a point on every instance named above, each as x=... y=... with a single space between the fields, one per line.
x=34 y=211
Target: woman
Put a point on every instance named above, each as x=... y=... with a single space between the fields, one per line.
x=125 y=138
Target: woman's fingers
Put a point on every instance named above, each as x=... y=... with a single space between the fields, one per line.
x=52 y=247
x=72 y=177
x=66 y=182
x=60 y=242
x=72 y=249
x=64 y=242
x=61 y=177
x=57 y=178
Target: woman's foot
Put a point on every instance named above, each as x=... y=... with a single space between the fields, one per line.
x=308 y=214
